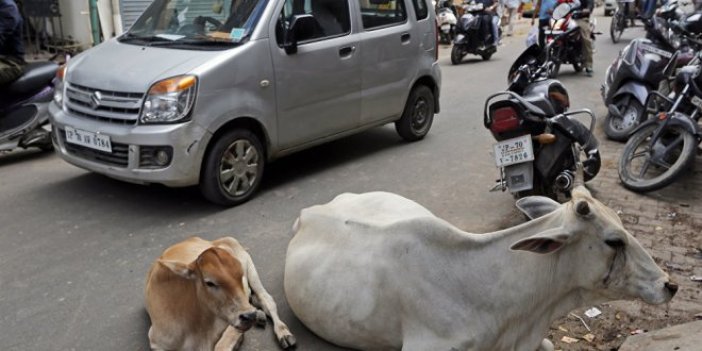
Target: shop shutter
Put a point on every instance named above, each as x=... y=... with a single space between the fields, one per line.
x=131 y=10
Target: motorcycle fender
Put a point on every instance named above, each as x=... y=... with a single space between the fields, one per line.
x=678 y=119
x=638 y=90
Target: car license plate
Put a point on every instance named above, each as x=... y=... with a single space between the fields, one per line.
x=513 y=151
x=88 y=139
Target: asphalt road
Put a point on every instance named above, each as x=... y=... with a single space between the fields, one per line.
x=75 y=246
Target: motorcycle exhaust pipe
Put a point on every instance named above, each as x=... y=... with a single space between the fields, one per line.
x=564 y=181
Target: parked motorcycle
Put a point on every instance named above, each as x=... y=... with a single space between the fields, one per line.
x=447 y=25
x=24 y=118
x=563 y=40
x=664 y=146
x=470 y=34
x=638 y=70
x=538 y=141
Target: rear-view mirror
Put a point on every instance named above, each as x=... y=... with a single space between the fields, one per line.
x=298 y=24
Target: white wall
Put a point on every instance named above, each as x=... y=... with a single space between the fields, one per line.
x=76 y=21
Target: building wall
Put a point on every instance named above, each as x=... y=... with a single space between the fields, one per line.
x=75 y=17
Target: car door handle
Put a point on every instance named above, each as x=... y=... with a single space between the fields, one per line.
x=405 y=38
x=346 y=51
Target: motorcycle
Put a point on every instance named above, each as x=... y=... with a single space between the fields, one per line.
x=24 y=103
x=539 y=142
x=638 y=70
x=470 y=34
x=662 y=148
x=563 y=40
x=447 y=25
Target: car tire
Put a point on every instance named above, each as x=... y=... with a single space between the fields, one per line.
x=233 y=168
x=418 y=115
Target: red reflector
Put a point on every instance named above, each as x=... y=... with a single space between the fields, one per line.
x=504 y=119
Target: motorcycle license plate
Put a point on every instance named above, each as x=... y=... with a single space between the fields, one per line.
x=513 y=151
x=88 y=139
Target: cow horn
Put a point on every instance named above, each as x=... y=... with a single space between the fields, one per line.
x=579 y=173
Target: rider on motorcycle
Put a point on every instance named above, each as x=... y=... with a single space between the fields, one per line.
x=11 y=47
x=492 y=24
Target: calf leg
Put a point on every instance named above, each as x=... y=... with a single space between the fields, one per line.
x=230 y=340
x=282 y=333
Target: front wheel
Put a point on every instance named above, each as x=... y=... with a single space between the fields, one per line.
x=456 y=54
x=232 y=168
x=418 y=115
x=553 y=70
x=619 y=128
x=646 y=165
x=616 y=28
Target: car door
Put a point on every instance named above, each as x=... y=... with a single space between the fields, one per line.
x=317 y=88
x=389 y=51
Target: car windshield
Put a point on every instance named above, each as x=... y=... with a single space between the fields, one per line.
x=196 y=24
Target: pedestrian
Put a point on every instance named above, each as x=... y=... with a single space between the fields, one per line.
x=543 y=9
x=11 y=46
x=583 y=22
x=509 y=12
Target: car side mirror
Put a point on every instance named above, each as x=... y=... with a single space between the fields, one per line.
x=298 y=24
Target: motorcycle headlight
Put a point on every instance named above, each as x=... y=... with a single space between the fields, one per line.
x=170 y=100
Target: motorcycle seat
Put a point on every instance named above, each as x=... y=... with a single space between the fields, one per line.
x=36 y=75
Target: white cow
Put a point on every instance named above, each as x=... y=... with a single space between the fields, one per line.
x=377 y=271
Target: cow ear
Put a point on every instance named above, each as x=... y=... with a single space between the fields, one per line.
x=537 y=206
x=545 y=242
x=184 y=270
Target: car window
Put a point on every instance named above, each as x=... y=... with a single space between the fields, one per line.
x=420 y=8
x=379 y=13
x=332 y=19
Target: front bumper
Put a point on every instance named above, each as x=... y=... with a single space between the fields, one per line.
x=188 y=140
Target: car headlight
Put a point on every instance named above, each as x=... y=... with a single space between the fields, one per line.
x=169 y=100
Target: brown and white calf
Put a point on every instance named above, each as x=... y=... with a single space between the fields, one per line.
x=377 y=271
x=198 y=296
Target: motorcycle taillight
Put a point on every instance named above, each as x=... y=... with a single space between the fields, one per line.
x=504 y=119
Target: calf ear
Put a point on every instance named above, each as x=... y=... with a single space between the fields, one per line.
x=537 y=206
x=184 y=270
x=545 y=242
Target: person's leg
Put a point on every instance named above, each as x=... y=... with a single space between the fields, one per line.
x=495 y=33
x=542 y=35
x=587 y=44
x=512 y=12
x=9 y=71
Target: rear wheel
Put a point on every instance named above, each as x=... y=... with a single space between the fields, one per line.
x=578 y=66
x=486 y=56
x=646 y=166
x=418 y=115
x=456 y=55
x=233 y=168
x=617 y=128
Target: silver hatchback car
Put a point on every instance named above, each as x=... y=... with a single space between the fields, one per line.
x=207 y=91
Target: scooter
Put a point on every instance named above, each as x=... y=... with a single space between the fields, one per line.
x=24 y=117
x=470 y=34
x=539 y=142
x=638 y=70
x=447 y=24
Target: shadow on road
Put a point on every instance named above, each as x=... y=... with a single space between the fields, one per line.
x=91 y=191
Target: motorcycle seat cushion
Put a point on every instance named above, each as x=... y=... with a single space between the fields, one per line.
x=36 y=75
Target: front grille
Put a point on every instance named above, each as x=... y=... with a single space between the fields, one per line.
x=102 y=105
x=118 y=157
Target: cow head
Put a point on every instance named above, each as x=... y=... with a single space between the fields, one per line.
x=591 y=247
x=220 y=285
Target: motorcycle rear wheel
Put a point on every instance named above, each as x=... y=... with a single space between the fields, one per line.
x=682 y=146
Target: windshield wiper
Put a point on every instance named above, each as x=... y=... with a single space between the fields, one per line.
x=144 y=38
x=194 y=42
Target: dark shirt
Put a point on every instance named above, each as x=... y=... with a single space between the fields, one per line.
x=11 y=30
